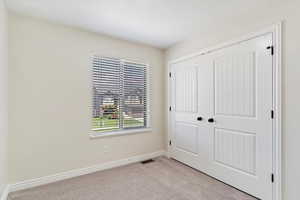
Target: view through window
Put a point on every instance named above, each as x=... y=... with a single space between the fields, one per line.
x=119 y=94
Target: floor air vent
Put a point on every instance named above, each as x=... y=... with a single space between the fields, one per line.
x=147 y=161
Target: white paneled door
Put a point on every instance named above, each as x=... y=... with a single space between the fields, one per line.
x=221 y=118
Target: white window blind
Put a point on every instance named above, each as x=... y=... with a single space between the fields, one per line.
x=119 y=95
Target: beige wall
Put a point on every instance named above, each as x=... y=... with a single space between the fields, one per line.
x=291 y=79
x=3 y=96
x=49 y=99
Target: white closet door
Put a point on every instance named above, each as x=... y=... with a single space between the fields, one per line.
x=189 y=106
x=233 y=143
x=241 y=134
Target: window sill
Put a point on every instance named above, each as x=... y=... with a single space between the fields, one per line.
x=119 y=133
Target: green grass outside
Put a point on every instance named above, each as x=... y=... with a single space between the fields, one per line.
x=112 y=124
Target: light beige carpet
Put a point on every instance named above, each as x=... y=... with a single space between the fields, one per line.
x=163 y=179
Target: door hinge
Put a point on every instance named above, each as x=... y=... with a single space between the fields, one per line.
x=272 y=178
x=170 y=108
x=272 y=114
x=170 y=142
x=272 y=49
x=170 y=74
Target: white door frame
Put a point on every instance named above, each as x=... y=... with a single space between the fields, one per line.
x=276 y=31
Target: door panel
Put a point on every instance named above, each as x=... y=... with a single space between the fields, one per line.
x=235 y=85
x=235 y=149
x=186 y=136
x=186 y=90
x=232 y=86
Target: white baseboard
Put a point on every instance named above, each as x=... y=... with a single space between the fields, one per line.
x=4 y=192
x=78 y=172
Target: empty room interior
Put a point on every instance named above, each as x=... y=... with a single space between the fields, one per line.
x=149 y=100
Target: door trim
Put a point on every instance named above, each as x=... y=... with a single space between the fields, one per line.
x=276 y=31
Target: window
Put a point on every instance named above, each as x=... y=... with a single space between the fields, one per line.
x=120 y=99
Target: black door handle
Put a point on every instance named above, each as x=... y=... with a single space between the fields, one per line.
x=211 y=120
x=199 y=118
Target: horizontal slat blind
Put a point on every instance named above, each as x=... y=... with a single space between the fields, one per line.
x=119 y=94
x=135 y=95
x=106 y=94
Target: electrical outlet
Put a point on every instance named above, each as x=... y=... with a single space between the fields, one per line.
x=105 y=149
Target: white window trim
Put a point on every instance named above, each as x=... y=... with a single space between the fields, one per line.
x=94 y=133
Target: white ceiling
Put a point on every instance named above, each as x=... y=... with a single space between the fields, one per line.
x=160 y=23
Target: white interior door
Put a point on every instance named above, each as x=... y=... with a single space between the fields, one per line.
x=231 y=89
x=190 y=105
